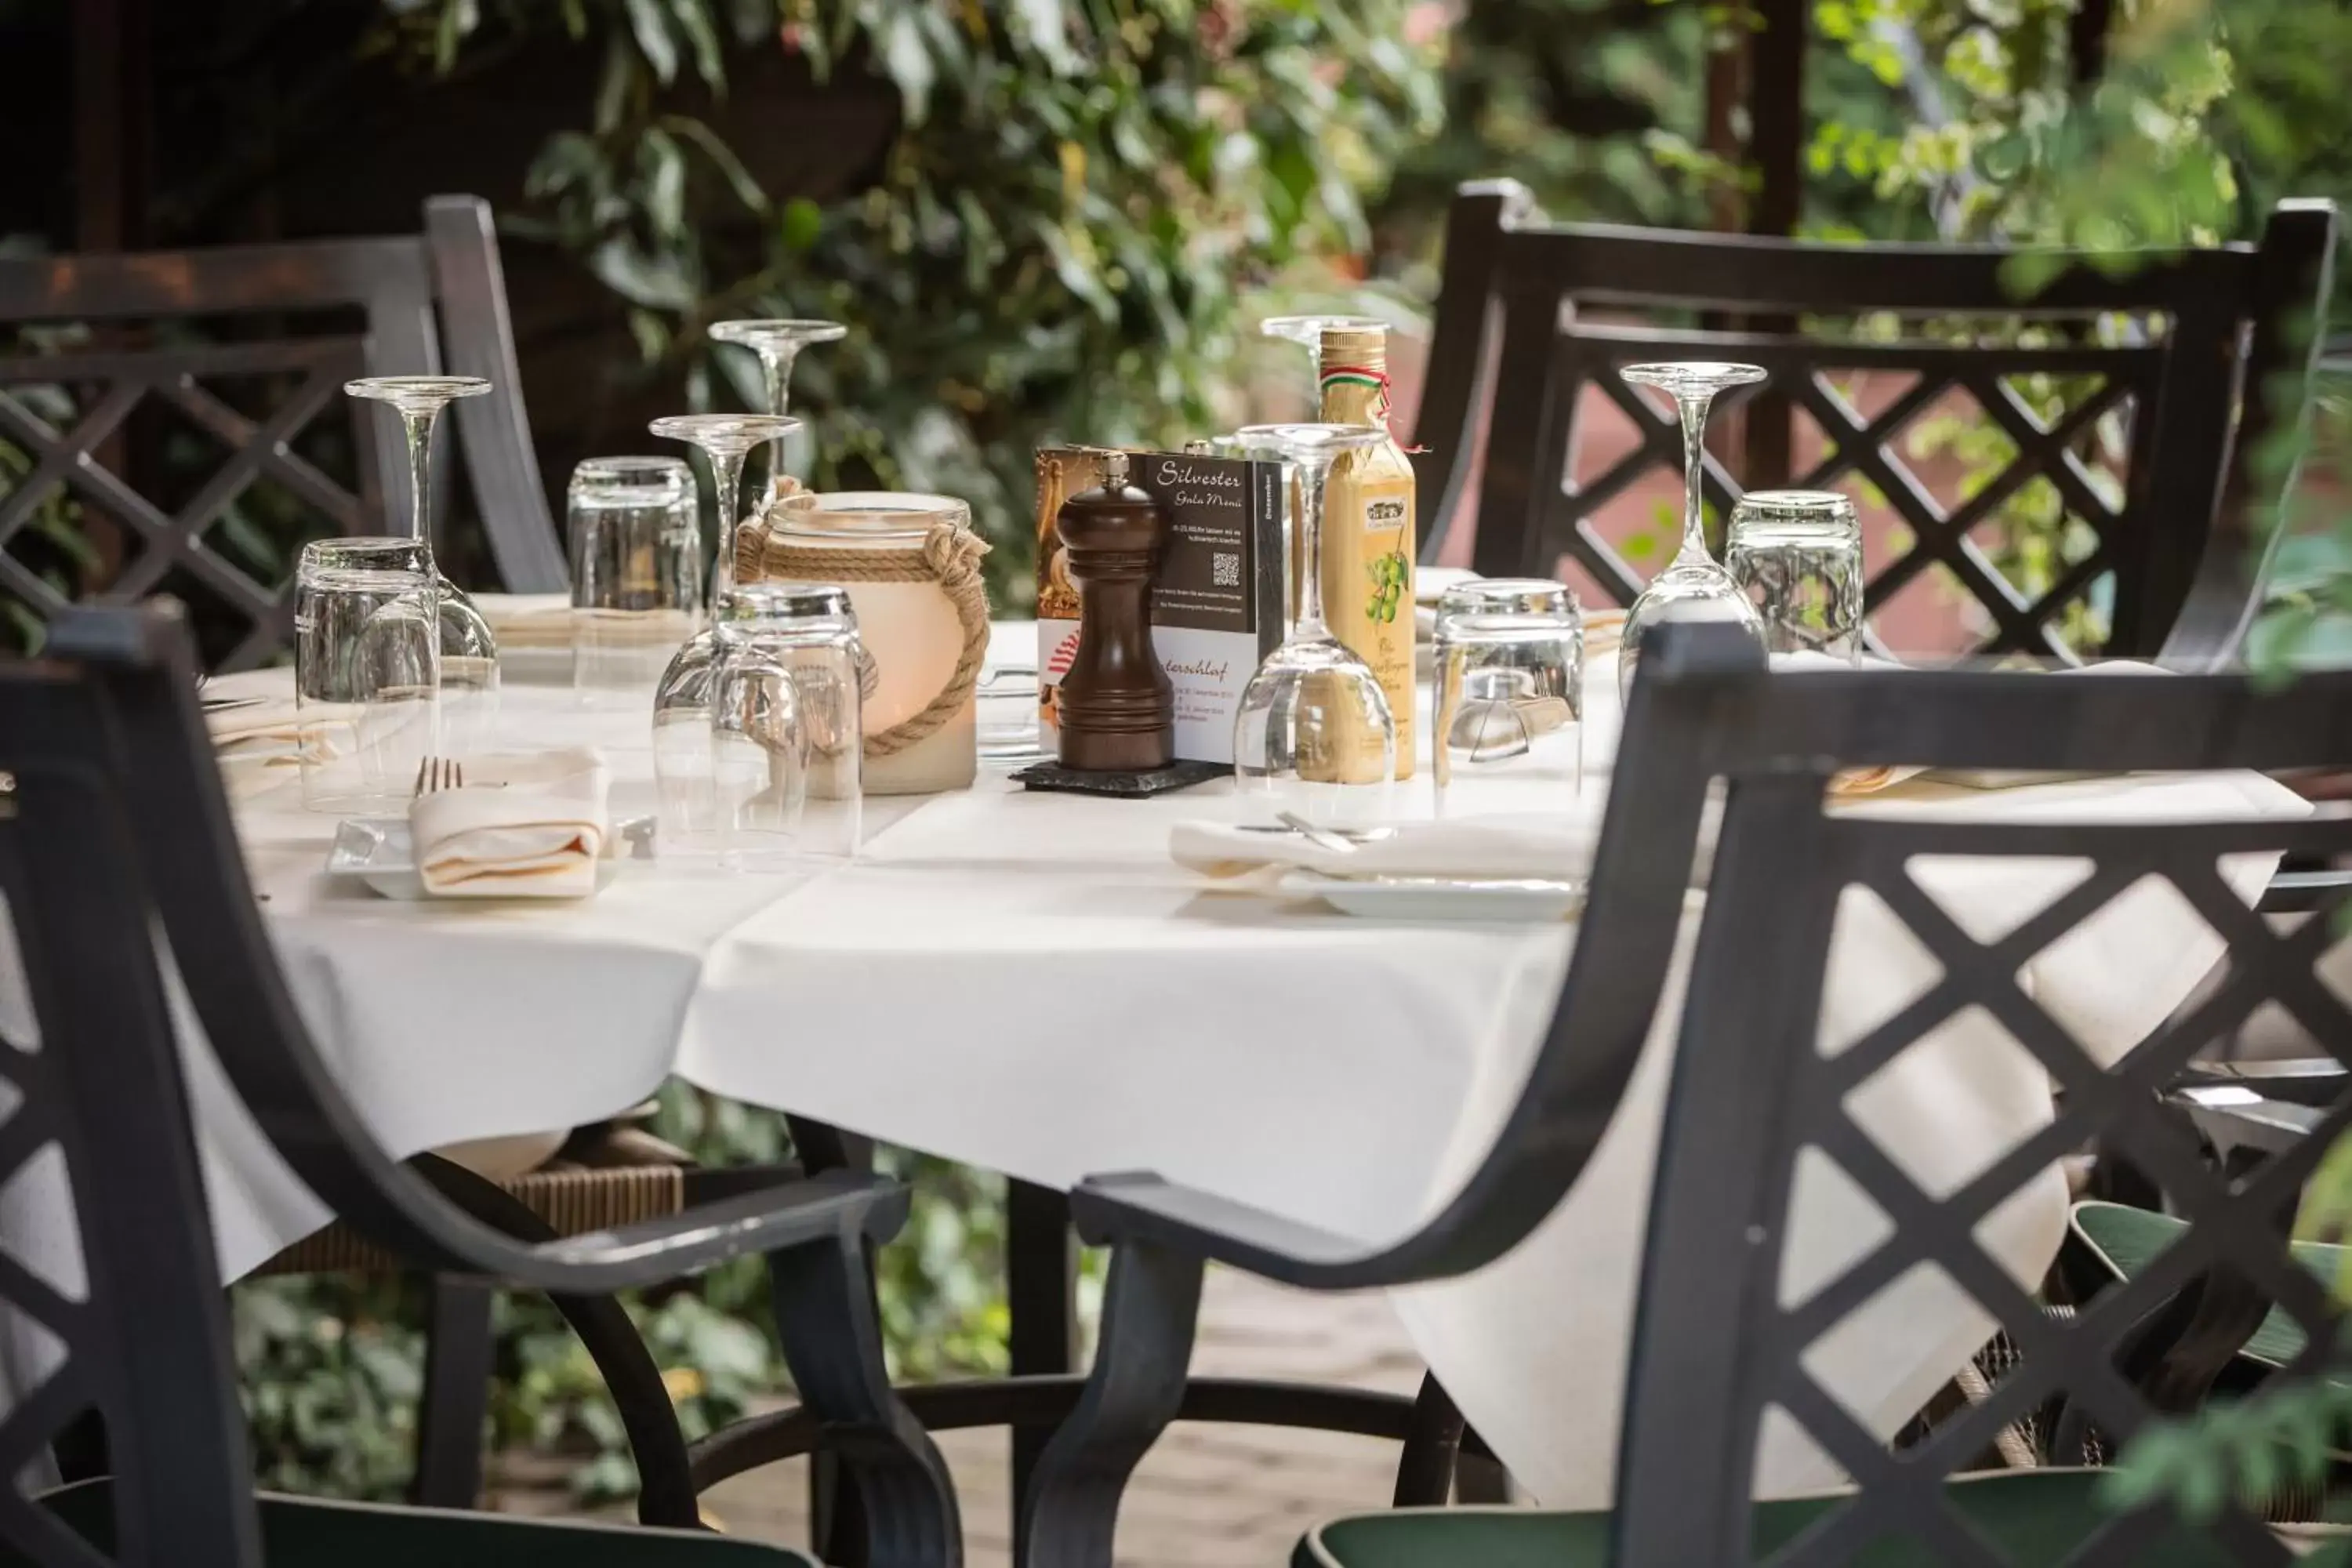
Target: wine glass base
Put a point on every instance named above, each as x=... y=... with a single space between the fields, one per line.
x=1314 y=726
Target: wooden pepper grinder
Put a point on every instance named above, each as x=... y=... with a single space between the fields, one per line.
x=1117 y=707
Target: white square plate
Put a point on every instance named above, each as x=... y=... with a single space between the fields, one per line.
x=376 y=851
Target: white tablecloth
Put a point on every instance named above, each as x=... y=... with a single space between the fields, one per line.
x=1027 y=983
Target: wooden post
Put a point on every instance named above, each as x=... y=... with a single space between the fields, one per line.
x=1776 y=118
x=113 y=86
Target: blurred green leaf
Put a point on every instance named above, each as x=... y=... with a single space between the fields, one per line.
x=651 y=30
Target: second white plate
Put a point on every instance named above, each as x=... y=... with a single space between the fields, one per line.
x=1438 y=897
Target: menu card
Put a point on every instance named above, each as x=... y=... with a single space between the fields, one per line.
x=1216 y=598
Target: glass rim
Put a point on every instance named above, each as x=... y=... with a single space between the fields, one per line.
x=775 y=331
x=392 y=388
x=1310 y=326
x=1692 y=375
x=372 y=552
x=1796 y=512
x=1308 y=435
x=1532 y=597
x=769 y=599
x=863 y=515
x=630 y=466
x=715 y=432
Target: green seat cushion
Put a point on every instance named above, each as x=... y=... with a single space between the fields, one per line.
x=312 y=1533
x=2031 y=1517
x=2127 y=1239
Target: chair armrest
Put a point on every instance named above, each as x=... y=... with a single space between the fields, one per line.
x=1139 y=1206
x=2300 y=891
x=2313 y=1081
x=2235 y=1118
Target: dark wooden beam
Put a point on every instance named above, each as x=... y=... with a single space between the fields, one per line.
x=113 y=86
x=1775 y=127
x=2086 y=39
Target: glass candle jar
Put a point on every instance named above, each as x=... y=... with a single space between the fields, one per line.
x=911 y=566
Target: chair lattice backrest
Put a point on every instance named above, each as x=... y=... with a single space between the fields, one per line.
x=216 y=375
x=1792 y=1209
x=110 y=1289
x=2114 y=399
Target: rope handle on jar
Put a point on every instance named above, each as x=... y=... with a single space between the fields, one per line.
x=949 y=555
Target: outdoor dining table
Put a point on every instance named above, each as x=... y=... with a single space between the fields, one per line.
x=1027 y=983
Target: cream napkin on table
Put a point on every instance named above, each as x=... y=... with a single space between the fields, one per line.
x=528 y=620
x=255 y=728
x=525 y=824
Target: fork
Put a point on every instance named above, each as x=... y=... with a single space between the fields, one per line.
x=434 y=775
x=1344 y=839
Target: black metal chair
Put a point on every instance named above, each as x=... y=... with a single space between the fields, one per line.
x=115 y=835
x=2184 y=550
x=405 y=305
x=1715 y=1346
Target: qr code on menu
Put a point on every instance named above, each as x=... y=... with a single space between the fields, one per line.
x=1224 y=569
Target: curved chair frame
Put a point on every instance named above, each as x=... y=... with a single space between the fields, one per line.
x=1704 y=708
x=114 y=830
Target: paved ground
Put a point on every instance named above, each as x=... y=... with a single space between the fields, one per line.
x=1228 y=1496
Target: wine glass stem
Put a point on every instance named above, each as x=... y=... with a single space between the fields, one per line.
x=727 y=474
x=1692 y=408
x=1312 y=473
x=416 y=424
x=777 y=365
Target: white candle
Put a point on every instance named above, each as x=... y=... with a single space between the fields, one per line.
x=910 y=628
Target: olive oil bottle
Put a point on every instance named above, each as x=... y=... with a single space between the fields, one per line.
x=1369 y=537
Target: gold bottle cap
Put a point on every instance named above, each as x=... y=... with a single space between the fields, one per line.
x=1355 y=345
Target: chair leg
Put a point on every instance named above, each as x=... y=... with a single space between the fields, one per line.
x=831 y=1335
x=837 y=1523
x=1431 y=1449
x=457 y=1365
x=665 y=1485
x=1478 y=1479
x=1041 y=1276
x=1150 y=1311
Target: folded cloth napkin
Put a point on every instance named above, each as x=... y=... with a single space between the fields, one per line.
x=1499 y=847
x=526 y=825
x=264 y=727
x=527 y=620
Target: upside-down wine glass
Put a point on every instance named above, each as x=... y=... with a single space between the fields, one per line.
x=778 y=343
x=1308 y=331
x=682 y=697
x=469 y=653
x=1693 y=584
x=1314 y=726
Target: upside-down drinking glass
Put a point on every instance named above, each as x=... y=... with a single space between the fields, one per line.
x=778 y=343
x=786 y=737
x=1692 y=583
x=469 y=654
x=1314 y=726
x=1510 y=689
x=1798 y=556
x=635 y=539
x=367 y=667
